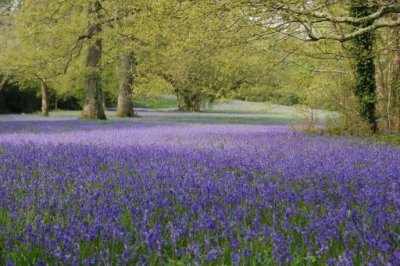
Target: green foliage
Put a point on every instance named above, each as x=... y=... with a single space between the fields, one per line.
x=197 y=51
x=204 y=51
x=13 y=99
x=265 y=94
x=67 y=103
x=388 y=138
x=156 y=102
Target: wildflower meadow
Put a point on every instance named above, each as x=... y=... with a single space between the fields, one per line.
x=125 y=193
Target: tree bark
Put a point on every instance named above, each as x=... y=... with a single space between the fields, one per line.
x=125 y=106
x=364 y=67
x=191 y=103
x=103 y=100
x=45 y=98
x=382 y=90
x=94 y=106
x=395 y=81
x=396 y=97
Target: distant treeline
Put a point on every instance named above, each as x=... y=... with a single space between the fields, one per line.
x=14 y=99
x=27 y=99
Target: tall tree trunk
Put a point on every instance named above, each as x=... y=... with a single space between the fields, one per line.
x=103 y=100
x=191 y=102
x=396 y=95
x=94 y=105
x=125 y=106
x=364 y=67
x=395 y=78
x=45 y=98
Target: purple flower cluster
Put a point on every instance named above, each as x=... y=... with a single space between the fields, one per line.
x=196 y=194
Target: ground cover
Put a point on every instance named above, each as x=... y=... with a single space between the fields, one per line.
x=140 y=191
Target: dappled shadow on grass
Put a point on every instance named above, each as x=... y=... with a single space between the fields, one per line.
x=38 y=124
x=175 y=117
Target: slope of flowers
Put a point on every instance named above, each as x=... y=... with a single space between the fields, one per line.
x=128 y=194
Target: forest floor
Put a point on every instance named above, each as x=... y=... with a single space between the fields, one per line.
x=237 y=112
x=209 y=188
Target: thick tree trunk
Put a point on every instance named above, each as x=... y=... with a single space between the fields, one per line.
x=45 y=98
x=94 y=105
x=364 y=67
x=395 y=82
x=191 y=103
x=103 y=100
x=388 y=71
x=125 y=106
x=396 y=90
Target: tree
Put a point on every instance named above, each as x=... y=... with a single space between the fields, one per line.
x=6 y=7
x=128 y=66
x=388 y=77
x=200 y=50
x=343 y=21
x=14 y=49
x=123 y=32
x=363 y=50
x=38 y=46
x=94 y=108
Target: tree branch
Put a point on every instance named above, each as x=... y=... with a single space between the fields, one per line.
x=347 y=37
x=384 y=10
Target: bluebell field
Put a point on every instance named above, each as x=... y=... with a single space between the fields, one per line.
x=80 y=193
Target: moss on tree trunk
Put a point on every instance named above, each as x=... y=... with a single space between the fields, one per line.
x=364 y=54
x=94 y=108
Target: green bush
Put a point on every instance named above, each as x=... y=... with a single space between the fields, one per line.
x=68 y=103
x=13 y=99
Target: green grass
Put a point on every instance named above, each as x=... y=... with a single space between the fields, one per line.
x=388 y=138
x=62 y=113
x=237 y=112
x=171 y=117
x=69 y=113
x=162 y=102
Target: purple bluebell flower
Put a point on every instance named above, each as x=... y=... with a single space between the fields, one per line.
x=76 y=192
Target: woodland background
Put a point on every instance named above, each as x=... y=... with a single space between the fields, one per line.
x=341 y=56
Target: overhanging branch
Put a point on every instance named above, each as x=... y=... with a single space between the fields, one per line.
x=346 y=37
x=341 y=19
